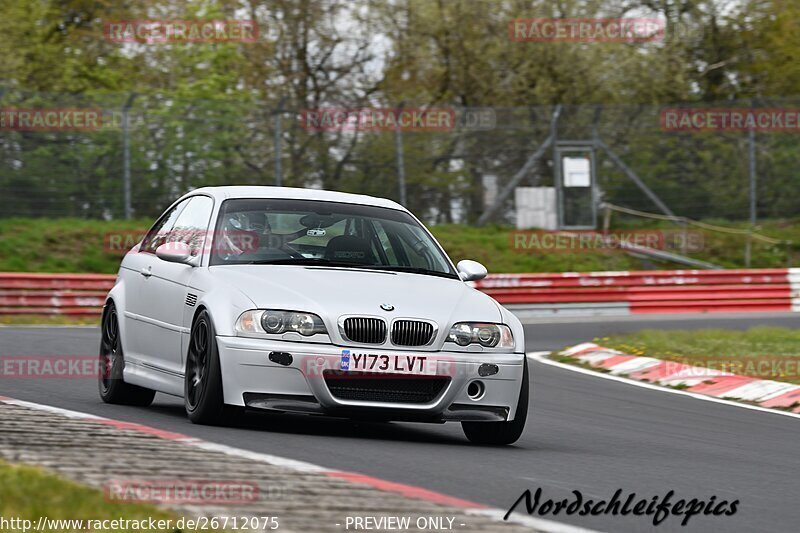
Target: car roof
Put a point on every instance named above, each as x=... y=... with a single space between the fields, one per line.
x=294 y=193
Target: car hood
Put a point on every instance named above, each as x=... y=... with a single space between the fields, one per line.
x=333 y=292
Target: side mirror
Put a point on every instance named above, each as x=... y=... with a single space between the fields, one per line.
x=471 y=270
x=175 y=252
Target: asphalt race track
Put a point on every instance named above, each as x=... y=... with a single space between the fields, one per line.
x=583 y=433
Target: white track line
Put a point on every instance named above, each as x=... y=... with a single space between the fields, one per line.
x=52 y=409
x=540 y=357
x=539 y=524
x=275 y=460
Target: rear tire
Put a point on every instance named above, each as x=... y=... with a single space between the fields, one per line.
x=111 y=384
x=502 y=433
x=203 y=396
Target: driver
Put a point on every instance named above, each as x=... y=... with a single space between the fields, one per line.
x=236 y=236
x=251 y=233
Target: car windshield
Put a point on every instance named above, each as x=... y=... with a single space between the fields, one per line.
x=310 y=232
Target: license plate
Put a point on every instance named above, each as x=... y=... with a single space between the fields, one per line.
x=353 y=361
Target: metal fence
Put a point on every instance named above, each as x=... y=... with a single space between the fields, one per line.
x=162 y=146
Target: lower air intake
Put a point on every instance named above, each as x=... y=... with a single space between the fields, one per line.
x=388 y=388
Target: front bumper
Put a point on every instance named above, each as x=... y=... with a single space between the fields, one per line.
x=250 y=378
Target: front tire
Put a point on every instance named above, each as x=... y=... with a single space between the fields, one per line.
x=203 y=383
x=113 y=388
x=502 y=433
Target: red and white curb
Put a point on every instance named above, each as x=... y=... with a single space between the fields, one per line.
x=407 y=491
x=774 y=396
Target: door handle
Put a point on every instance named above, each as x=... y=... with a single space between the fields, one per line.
x=146 y=271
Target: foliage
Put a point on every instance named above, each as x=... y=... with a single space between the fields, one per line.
x=206 y=113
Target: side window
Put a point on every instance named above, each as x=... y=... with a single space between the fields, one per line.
x=158 y=233
x=191 y=226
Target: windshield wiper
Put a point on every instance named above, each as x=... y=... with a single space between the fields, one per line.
x=412 y=270
x=316 y=261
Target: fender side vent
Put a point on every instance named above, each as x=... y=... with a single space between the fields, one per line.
x=191 y=299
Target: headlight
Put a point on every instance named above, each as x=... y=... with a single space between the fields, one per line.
x=277 y=322
x=487 y=335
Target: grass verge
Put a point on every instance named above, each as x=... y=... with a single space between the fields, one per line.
x=760 y=352
x=28 y=493
x=47 y=320
x=96 y=246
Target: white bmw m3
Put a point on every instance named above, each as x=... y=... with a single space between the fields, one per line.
x=310 y=301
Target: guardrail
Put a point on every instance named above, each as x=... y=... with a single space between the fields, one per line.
x=53 y=294
x=656 y=291
x=567 y=293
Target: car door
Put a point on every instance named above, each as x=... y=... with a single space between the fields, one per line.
x=167 y=287
x=137 y=272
